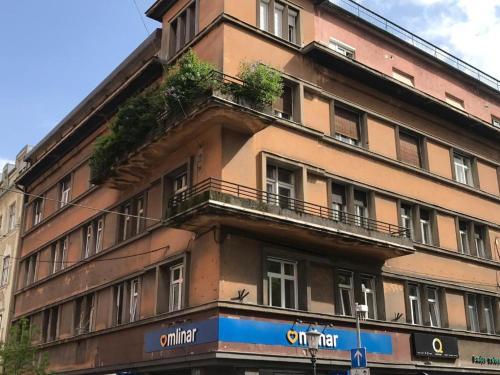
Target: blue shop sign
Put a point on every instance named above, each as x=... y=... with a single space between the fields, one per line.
x=248 y=331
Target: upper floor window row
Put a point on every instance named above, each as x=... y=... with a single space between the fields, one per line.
x=183 y=28
x=280 y=19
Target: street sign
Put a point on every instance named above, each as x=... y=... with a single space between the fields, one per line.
x=360 y=371
x=358 y=358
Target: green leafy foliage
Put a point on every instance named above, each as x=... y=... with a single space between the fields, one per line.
x=262 y=85
x=184 y=83
x=18 y=356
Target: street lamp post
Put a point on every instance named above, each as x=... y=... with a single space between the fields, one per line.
x=313 y=336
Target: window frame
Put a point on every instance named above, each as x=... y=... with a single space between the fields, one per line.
x=426 y=228
x=12 y=222
x=345 y=287
x=371 y=290
x=283 y=277
x=179 y=283
x=472 y=313
x=5 y=270
x=65 y=191
x=435 y=302
x=270 y=25
x=360 y=125
x=274 y=184
x=37 y=211
x=463 y=169
x=415 y=319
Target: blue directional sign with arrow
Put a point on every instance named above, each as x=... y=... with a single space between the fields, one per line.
x=358 y=358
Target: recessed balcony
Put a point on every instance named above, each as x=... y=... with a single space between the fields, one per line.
x=289 y=220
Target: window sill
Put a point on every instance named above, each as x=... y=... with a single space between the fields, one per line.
x=456 y=254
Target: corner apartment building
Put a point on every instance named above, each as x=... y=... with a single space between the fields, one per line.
x=11 y=206
x=218 y=243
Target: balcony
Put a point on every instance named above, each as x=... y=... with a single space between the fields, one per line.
x=291 y=221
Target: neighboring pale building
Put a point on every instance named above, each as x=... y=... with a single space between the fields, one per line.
x=11 y=204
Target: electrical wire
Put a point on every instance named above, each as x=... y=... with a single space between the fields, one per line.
x=103 y=210
x=141 y=17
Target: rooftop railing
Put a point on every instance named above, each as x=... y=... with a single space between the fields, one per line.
x=285 y=203
x=414 y=40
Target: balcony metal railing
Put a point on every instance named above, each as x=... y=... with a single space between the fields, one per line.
x=288 y=203
x=410 y=38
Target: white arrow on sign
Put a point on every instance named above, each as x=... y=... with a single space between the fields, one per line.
x=358 y=356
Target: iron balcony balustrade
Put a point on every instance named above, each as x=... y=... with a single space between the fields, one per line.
x=406 y=36
x=283 y=218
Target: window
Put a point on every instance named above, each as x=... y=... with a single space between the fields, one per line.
x=134 y=300
x=433 y=302
x=182 y=29
x=472 y=312
x=454 y=101
x=479 y=241
x=5 y=270
x=37 y=210
x=414 y=301
x=338 y=202
x=282 y=280
x=369 y=297
x=489 y=320
x=176 y=287
x=119 y=304
x=360 y=208
x=463 y=172
x=342 y=48
x=59 y=254
x=407 y=220
x=99 y=235
x=31 y=269
x=347 y=126
x=403 y=77
x=50 y=324
x=280 y=186
x=409 y=149
x=495 y=121
x=126 y=221
x=84 y=314
x=264 y=15
x=89 y=237
x=180 y=182
x=278 y=19
x=292 y=25
x=65 y=190
x=463 y=234
x=346 y=293
x=140 y=222
x=12 y=217
x=126 y=302
x=426 y=227
x=283 y=106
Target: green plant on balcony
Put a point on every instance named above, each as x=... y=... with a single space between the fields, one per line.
x=261 y=86
x=142 y=116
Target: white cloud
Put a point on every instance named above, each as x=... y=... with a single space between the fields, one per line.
x=470 y=29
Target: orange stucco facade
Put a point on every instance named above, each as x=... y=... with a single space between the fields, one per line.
x=403 y=216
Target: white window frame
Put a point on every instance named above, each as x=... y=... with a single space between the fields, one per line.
x=350 y=291
x=140 y=214
x=119 y=304
x=464 y=238
x=264 y=15
x=293 y=17
x=278 y=11
x=176 y=284
x=342 y=48
x=426 y=230
x=416 y=319
x=64 y=252
x=65 y=192
x=463 y=169
x=473 y=312
x=99 y=235
x=5 y=270
x=89 y=235
x=37 y=211
x=283 y=277
x=126 y=221
x=273 y=186
x=371 y=289
x=362 y=213
x=479 y=242
x=134 y=300
x=433 y=302
x=488 y=313
x=407 y=218
x=495 y=121
x=12 y=217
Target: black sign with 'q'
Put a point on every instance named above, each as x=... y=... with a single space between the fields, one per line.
x=437 y=346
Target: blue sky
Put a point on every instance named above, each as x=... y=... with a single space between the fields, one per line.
x=54 y=52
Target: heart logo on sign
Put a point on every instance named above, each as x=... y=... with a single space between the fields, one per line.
x=292 y=336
